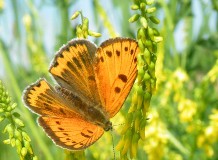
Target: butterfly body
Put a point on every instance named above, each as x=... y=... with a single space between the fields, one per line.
x=92 y=85
x=94 y=113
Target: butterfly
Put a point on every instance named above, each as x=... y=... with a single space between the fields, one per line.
x=92 y=85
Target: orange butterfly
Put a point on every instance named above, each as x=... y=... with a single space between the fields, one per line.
x=93 y=83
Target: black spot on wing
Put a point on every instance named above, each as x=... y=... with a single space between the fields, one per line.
x=122 y=77
x=109 y=53
x=135 y=60
x=117 y=89
x=101 y=59
x=117 y=53
x=89 y=131
x=126 y=49
x=132 y=51
x=60 y=128
x=81 y=143
x=85 y=135
x=58 y=122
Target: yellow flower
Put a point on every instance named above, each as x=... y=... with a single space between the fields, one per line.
x=209 y=150
x=187 y=109
x=156 y=138
x=209 y=135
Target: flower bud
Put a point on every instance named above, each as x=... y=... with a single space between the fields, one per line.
x=23 y=151
x=120 y=144
x=94 y=34
x=154 y=20
x=134 y=145
x=151 y=10
x=134 y=18
x=25 y=136
x=18 y=135
x=144 y=22
x=7 y=141
x=19 y=122
x=128 y=139
x=134 y=7
x=75 y=15
x=149 y=2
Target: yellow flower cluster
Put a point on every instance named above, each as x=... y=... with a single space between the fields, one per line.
x=156 y=138
x=209 y=135
x=187 y=109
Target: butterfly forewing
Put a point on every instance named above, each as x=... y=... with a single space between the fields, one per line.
x=44 y=100
x=115 y=71
x=73 y=69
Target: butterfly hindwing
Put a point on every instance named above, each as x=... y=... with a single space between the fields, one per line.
x=73 y=69
x=116 y=71
x=63 y=125
x=72 y=133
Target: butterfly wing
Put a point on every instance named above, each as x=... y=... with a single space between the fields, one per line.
x=64 y=125
x=116 y=71
x=42 y=98
x=73 y=69
x=72 y=133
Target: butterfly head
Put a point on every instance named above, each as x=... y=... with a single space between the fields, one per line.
x=108 y=126
x=100 y=118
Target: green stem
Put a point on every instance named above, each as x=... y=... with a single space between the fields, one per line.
x=177 y=144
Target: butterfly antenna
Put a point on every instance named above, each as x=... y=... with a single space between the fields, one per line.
x=113 y=144
x=119 y=124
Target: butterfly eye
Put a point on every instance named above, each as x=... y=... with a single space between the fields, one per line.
x=108 y=126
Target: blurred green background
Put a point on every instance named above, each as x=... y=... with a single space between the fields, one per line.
x=183 y=115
